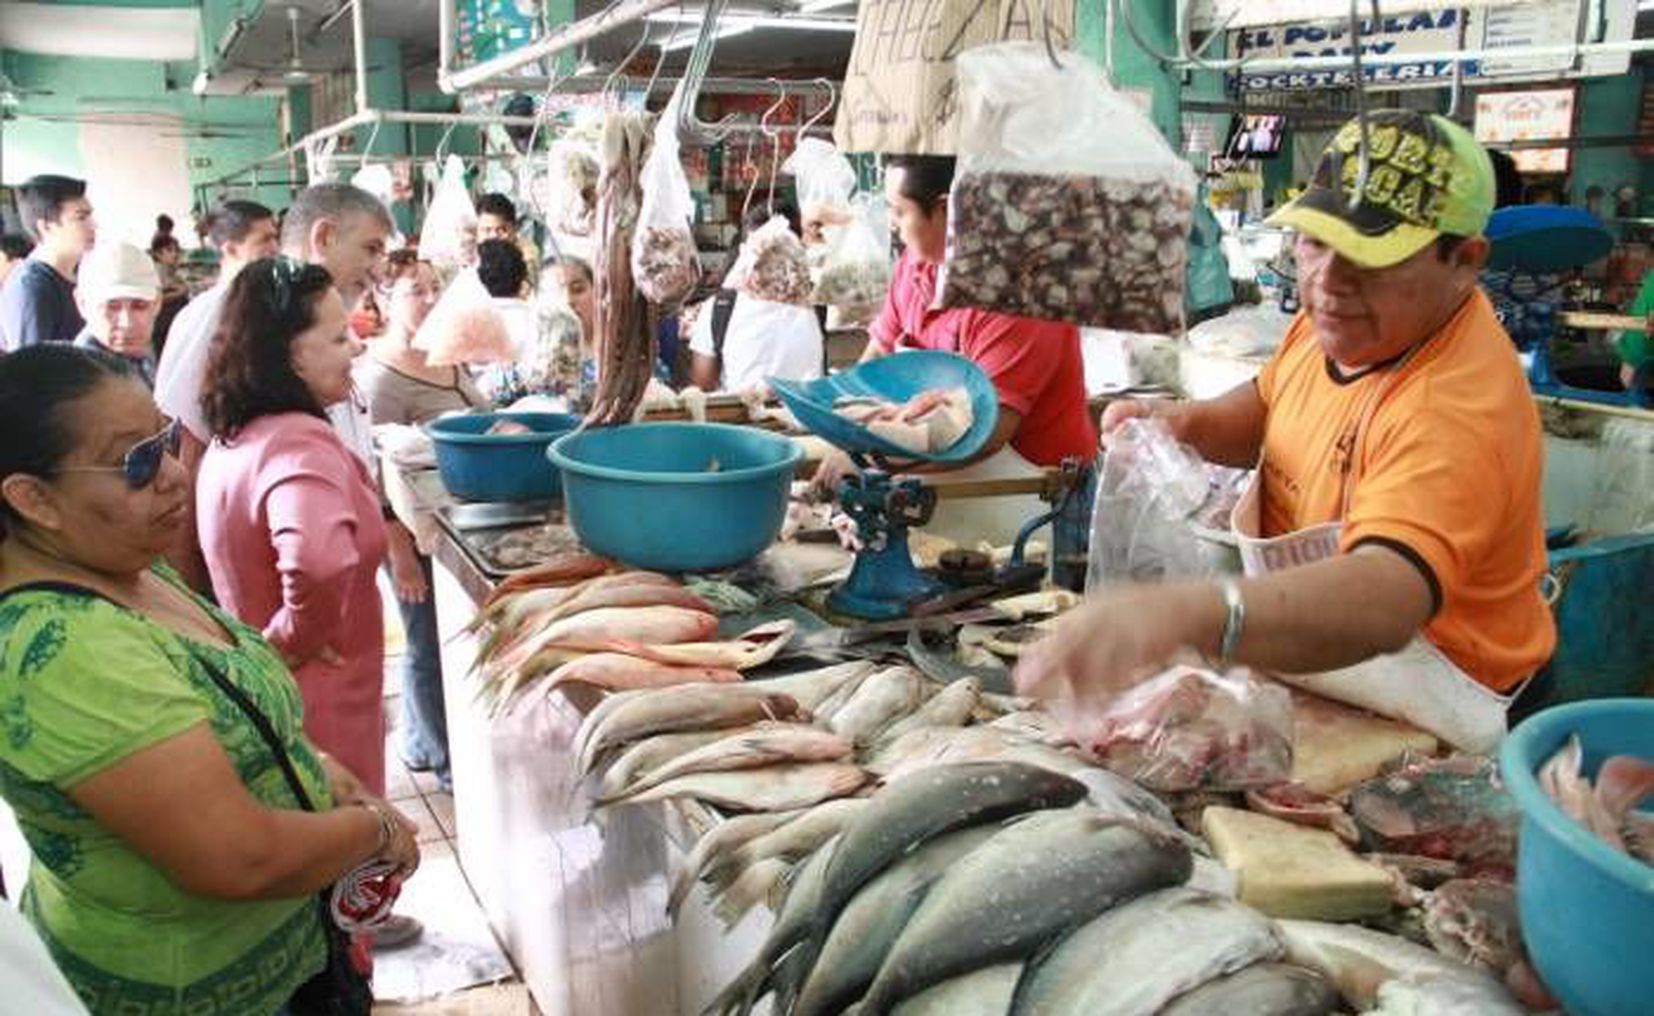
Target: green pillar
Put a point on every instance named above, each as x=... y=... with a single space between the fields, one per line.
x=300 y=118
x=387 y=90
x=1133 y=68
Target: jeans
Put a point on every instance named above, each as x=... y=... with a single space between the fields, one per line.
x=424 y=719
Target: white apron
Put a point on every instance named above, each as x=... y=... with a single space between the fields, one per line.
x=968 y=521
x=1418 y=685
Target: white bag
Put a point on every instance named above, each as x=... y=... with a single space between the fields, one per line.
x=448 y=239
x=855 y=276
x=772 y=265
x=824 y=178
x=665 y=264
x=465 y=328
x=1068 y=205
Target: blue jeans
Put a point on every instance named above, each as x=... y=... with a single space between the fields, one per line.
x=424 y=718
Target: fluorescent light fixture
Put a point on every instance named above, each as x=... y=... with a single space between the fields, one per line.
x=817 y=6
x=684 y=40
x=751 y=21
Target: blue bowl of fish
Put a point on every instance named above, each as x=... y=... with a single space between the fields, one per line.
x=676 y=497
x=503 y=466
x=1587 y=908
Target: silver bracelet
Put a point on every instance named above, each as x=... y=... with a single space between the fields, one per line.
x=1234 y=625
x=387 y=827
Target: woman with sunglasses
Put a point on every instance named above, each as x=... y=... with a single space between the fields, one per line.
x=290 y=520
x=173 y=871
x=402 y=388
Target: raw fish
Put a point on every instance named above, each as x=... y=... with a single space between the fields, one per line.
x=772 y=788
x=1134 y=959
x=950 y=707
x=1296 y=803
x=793 y=841
x=761 y=883
x=985 y=992
x=793 y=922
x=880 y=701
x=725 y=836
x=680 y=707
x=1263 y=989
x=1028 y=885
x=811 y=688
x=1475 y=920
x=650 y=754
x=596 y=630
x=629 y=589
x=752 y=649
x=558 y=572
x=759 y=745
x=1372 y=969
x=615 y=672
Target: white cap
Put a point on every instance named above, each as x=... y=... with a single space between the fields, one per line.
x=116 y=271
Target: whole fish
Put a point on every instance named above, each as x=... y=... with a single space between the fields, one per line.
x=929 y=747
x=762 y=744
x=517 y=616
x=559 y=571
x=1263 y=989
x=751 y=649
x=1035 y=725
x=793 y=841
x=596 y=630
x=793 y=921
x=761 y=883
x=616 y=672
x=599 y=714
x=835 y=701
x=629 y=589
x=985 y=992
x=950 y=707
x=870 y=923
x=811 y=688
x=880 y=701
x=772 y=788
x=1374 y=970
x=1134 y=959
x=1028 y=885
x=726 y=835
x=650 y=754
x=681 y=707
x=911 y=811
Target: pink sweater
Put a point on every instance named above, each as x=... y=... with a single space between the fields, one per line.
x=291 y=528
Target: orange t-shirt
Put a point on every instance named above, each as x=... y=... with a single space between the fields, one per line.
x=1447 y=473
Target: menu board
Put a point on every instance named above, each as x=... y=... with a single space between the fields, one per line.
x=1528 y=115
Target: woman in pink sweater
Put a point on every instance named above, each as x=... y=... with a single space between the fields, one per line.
x=290 y=520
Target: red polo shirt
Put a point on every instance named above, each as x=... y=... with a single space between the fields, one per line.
x=1036 y=365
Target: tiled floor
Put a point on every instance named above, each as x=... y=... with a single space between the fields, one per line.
x=438 y=891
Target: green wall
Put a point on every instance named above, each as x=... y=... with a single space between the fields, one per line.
x=1608 y=107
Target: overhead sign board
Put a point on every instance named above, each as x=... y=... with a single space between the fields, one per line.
x=1528 y=115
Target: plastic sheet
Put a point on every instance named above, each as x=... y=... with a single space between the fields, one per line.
x=824 y=178
x=855 y=273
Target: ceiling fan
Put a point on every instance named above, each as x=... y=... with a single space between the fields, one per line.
x=294 y=72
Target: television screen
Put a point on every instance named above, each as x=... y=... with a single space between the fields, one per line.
x=1256 y=136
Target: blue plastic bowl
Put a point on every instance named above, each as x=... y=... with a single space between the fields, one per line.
x=676 y=497
x=479 y=466
x=1587 y=909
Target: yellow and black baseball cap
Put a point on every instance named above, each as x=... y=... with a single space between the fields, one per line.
x=1426 y=176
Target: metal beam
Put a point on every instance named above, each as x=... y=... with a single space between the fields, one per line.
x=623 y=13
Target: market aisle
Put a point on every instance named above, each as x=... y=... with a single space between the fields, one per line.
x=458 y=947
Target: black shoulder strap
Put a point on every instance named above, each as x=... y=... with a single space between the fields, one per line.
x=723 y=307
x=254 y=714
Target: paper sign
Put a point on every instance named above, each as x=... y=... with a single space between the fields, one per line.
x=899 y=91
x=1528 y=116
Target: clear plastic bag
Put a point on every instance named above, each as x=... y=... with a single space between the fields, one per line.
x=464 y=328
x=664 y=261
x=1190 y=729
x=823 y=177
x=773 y=265
x=855 y=274
x=1152 y=493
x=448 y=238
x=1068 y=205
x=571 y=201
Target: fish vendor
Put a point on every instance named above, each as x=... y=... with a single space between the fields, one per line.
x=1392 y=537
x=1036 y=366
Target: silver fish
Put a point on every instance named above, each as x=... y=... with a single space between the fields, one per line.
x=1375 y=970
x=650 y=754
x=1134 y=959
x=793 y=841
x=880 y=701
x=950 y=707
x=760 y=883
x=793 y=923
x=1025 y=887
x=1263 y=989
x=985 y=992
x=762 y=744
x=721 y=838
x=874 y=917
x=679 y=708
x=835 y=699
x=811 y=688
x=772 y=788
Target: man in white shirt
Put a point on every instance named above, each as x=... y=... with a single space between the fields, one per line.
x=739 y=341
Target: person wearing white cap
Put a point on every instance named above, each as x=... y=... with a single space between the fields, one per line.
x=120 y=292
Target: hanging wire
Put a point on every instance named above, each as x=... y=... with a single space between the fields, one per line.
x=748 y=164
x=1365 y=164
x=1050 y=47
x=774 y=136
x=821 y=114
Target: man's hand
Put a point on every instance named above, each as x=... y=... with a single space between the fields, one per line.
x=408 y=576
x=1116 y=413
x=1119 y=639
x=832 y=471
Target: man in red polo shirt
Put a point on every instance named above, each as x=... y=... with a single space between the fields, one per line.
x=1035 y=365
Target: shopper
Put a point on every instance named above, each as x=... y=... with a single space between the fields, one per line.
x=167 y=254
x=14 y=250
x=497 y=220
x=38 y=302
x=1394 y=532
x=402 y=388
x=173 y=870
x=739 y=340
x=503 y=272
x=243 y=232
x=120 y=294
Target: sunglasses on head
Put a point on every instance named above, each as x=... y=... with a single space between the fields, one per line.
x=142 y=462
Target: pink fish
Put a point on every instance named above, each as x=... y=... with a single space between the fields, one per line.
x=755 y=647
x=597 y=630
x=618 y=672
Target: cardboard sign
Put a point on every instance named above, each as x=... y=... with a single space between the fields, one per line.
x=899 y=92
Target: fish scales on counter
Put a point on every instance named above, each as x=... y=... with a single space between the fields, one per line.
x=771 y=788
x=1373 y=970
x=1132 y=960
x=762 y=744
x=1263 y=989
x=1043 y=875
x=678 y=708
x=727 y=835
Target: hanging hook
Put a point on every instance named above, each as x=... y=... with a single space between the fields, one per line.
x=774 y=136
x=373 y=136
x=660 y=60
x=1050 y=47
x=1365 y=165
x=821 y=114
x=618 y=73
x=691 y=127
x=747 y=163
x=442 y=145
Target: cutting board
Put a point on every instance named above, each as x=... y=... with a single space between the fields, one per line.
x=1287 y=870
x=1336 y=746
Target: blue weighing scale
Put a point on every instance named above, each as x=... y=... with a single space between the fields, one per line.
x=884 y=583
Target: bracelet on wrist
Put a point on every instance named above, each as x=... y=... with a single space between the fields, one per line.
x=387 y=827
x=1234 y=624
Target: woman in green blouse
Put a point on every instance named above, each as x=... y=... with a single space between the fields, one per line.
x=172 y=870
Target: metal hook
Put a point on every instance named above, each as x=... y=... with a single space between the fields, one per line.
x=1364 y=166
x=660 y=59
x=747 y=163
x=1183 y=57
x=1050 y=47
x=442 y=145
x=618 y=74
x=821 y=114
x=691 y=127
x=774 y=136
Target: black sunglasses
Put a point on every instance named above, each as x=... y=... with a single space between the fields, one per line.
x=142 y=462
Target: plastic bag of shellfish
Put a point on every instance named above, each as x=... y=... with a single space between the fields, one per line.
x=1067 y=203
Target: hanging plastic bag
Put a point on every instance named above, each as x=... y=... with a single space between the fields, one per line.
x=377 y=180
x=572 y=206
x=664 y=261
x=1068 y=205
x=1189 y=729
x=464 y=328
x=1153 y=495
x=855 y=275
x=448 y=239
x=772 y=265
x=824 y=179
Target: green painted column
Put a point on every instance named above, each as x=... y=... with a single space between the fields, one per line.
x=300 y=118
x=1608 y=107
x=387 y=90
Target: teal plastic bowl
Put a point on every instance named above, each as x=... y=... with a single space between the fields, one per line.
x=676 y=497
x=1587 y=909
x=479 y=466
